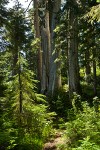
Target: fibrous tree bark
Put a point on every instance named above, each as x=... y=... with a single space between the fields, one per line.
x=37 y=35
x=72 y=42
x=46 y=48
x=54 y=76
x=51 y=76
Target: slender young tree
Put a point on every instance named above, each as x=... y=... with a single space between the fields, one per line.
x=21 y=91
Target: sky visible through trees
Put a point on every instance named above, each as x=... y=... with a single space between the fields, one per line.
x=24 y=3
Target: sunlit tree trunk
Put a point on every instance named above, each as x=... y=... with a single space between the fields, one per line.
x=54 y=78
x=46 y=47
x=37 y=35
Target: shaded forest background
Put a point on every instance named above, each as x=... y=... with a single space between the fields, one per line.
x=50 y=74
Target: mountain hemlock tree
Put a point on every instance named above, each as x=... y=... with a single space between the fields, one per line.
x=19 y=67
x=16 y=39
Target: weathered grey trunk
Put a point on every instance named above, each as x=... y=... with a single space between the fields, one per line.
x=46 y=47
x=54 y=76
x=37 y=35
x=72 y=37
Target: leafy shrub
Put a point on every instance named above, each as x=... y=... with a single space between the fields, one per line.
x=85 y=124
x=87 y=145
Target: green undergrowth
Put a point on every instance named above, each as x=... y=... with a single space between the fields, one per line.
x=34 y=129
x=82 y=131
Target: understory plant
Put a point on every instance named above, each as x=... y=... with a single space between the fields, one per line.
x=83 y=129
x=25 y=121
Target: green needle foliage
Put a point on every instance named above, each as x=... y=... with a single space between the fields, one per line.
x=26 y=122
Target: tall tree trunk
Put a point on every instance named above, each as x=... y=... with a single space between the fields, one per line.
x=72 y=37
x=37 y=35
x=46 y=47
x=54 y=78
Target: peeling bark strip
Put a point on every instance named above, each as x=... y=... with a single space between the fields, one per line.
x=51 y=79
x=55 y=79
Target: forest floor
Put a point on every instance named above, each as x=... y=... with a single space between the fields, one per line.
x=54 y=144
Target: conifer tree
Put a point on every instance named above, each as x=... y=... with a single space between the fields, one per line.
x=23 y=108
